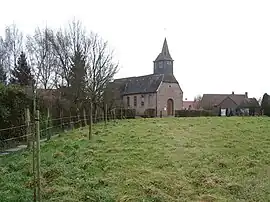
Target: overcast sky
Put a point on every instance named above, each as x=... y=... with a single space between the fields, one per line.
x=217 y=46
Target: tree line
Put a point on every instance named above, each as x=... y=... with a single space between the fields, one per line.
x=69 y=57
x=265 y=104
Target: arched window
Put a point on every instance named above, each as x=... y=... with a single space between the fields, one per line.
x=128 y=101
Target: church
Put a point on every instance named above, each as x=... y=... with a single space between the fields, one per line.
x=159 y=92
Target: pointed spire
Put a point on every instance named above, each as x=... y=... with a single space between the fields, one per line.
x=165 y=54
x=165 y=49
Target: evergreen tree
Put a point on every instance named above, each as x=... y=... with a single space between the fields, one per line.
x=3 y=75
x=77 y=77
x=21 y=74
x=265 y=106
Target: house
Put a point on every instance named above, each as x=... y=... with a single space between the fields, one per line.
x=189 y=105
x=230 y=104
x=159 y=91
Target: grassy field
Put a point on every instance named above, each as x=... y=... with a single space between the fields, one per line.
x=170 y=159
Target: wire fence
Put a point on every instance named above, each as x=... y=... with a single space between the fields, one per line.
x=13 y=136
x=39 y=128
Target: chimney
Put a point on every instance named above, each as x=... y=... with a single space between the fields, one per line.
x=246 y=94
x=233 y=93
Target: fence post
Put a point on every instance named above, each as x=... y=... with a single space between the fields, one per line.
x=61 y=119
x=106 y=114
x=113 y=114
x=71 y=123
x=33 y=142
x=90 y=121
x=84 y=117
x=38 y=156
x=28 y=129
x=34 y=162
x=48 y=131
x=79 y=119
x=121 y=113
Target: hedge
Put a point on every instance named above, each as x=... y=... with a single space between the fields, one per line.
x=126 y=113
x=193 y=113
x=12 y=109
x=150 y=113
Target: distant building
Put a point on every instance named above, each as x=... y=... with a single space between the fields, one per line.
x=189 y=105
x=159 y=91
x=230 y=103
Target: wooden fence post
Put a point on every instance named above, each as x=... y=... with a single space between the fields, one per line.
x=79 y=118
x=48 y=131
x=71 y=123
x=34 y=143
x=34 y=162
x=38 y=156
x=28 y=129
x=113 y=114
x=84 y=117
x=61 y=119
x=90 y=121
x=106 y=114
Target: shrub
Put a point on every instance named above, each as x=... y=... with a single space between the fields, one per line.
x=126 y=113
x=150 y=113
x=193 y=113
x=13 y=101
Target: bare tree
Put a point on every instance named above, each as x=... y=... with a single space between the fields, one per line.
x=3 y=76
x=2 y=50
x=13 y=45
x=41 y=56
x=100 y=69
x=61 y=44
x=197 y=102
x=260 y=100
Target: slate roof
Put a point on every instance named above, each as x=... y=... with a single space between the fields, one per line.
x=169 y=78
x=216 y=99
x=165 y=54
x=142 y=84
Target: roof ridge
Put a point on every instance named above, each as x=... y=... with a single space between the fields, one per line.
x=134 y=77
x=221 y=94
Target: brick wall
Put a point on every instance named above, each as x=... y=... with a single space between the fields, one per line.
x=169 y=91
x=144 y=101
x=166 y=91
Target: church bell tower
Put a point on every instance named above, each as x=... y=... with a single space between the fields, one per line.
x=164 y=62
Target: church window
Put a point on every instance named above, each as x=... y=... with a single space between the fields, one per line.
x=135 y=101
x=160 y=64
x=142 y=100
x=149 y=99
x=128 y=101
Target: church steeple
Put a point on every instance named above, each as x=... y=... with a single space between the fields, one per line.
x=164 y=62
